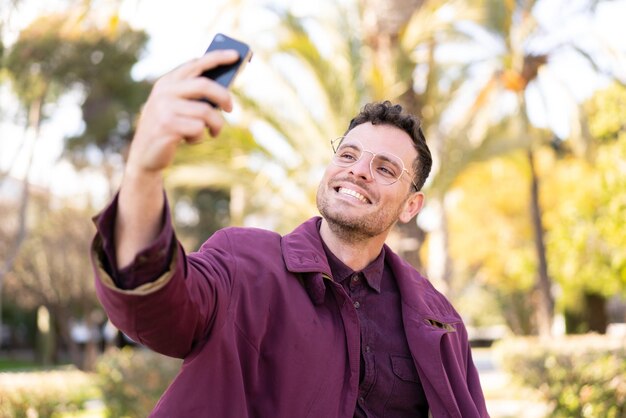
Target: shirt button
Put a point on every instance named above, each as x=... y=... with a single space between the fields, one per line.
x=361 y=399
x=355 y=278
x=367 y=349
x=357 y=305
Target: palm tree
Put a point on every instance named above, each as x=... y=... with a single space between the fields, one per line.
x=520 y=53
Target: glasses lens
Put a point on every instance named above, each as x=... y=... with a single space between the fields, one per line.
x=347 y=153
x=386 y=168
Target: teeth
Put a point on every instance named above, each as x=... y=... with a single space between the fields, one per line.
x=353 y=194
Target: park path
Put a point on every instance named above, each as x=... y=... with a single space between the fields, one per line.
x=504 y=398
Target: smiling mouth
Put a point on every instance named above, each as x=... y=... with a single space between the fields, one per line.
x=356 y=195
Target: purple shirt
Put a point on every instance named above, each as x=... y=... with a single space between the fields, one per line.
x=388 y=381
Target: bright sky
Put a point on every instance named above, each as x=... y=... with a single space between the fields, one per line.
x=182 y=30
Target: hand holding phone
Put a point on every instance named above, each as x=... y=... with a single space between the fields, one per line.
x=225 y=74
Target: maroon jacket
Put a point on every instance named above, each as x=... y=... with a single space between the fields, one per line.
x=265 y=331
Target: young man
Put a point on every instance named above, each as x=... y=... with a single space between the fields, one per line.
x=324 y=322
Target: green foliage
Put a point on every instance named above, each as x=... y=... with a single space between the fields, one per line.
x=129 y=381
x=16 y=365
x=491 y=238
x=606 y=116
x=103 y=66
x=37 y=61
x=584 y=206
x=60 y=52
x=132 y=380
x=586 y=240
x=578 y=376
x=45 y=394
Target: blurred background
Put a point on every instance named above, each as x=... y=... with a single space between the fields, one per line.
x=524 y=109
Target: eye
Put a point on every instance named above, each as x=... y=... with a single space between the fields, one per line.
x=386 y=170
x=347 y=154
x=386 y=167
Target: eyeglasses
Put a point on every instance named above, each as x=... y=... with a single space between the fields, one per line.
x=385 y=168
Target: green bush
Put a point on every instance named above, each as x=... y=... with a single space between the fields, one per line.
x=132 y=380
x=582 y=376
x=45 y=393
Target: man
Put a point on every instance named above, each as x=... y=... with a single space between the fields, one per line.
x=324 y=322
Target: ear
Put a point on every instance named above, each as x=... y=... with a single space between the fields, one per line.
x=412 y=206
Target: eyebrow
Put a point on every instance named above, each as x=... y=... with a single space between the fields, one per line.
x=348 y=145
x=387 y=159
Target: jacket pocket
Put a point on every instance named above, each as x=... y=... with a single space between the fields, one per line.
x=445 y=326
x=404 y=368
x=407 y=393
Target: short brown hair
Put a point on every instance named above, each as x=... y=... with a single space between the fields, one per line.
x=386 y=113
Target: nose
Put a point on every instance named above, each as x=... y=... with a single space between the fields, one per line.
x=363 y=167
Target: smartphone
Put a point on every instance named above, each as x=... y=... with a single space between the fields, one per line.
x=225 y=74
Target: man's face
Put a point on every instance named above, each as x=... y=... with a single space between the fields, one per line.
x=352 y=202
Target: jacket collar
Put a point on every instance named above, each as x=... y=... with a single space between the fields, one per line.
x=303 y=253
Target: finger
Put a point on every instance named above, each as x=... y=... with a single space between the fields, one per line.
x=201 y=110
x=209 y=60
x=193 y=108
x=215 y=128
x=188 y=129
x=196 y=130
x=203 y=88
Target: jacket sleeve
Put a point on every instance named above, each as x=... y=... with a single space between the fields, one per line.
x=172 y=312
x=150 y=263
x=474 y=386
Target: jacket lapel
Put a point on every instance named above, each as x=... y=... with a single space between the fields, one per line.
x=427 y=320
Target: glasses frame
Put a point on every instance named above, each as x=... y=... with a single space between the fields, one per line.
x=334 y=143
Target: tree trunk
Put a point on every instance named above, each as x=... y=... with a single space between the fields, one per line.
x=411 y=239
x=90 y=356
x=63 y=322
x=45 y=337
x=34 y=122
x=543 y=297
x=439 y=261
x=595 y=313
x=386 y=19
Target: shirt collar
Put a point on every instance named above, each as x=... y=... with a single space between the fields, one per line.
x=373 y=273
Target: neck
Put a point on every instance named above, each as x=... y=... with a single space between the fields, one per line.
x=356 y=252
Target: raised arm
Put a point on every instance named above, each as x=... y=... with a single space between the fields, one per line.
x=172 y=115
